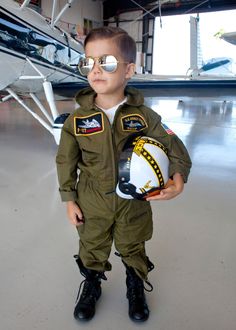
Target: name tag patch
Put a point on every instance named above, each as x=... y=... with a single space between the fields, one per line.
x=89 y=125
x=133 y=123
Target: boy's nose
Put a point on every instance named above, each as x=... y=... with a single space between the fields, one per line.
x=96 y=67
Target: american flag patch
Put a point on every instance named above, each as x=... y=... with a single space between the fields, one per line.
x=167 y=129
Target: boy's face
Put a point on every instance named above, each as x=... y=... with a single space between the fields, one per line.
x=105 y=83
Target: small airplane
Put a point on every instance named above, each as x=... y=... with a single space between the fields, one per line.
x=32 y=56
x=219 y=67
x=42 y=57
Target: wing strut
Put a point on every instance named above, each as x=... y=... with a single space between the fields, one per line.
x=25 y=4
x=55 y=121
x=24 y=105
x=47 y=88
x=67 y=5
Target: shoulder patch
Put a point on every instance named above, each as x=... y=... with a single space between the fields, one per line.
x=89 y=125
x=167 y=129
x=133 y=122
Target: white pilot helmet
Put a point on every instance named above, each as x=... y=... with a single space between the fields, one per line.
x=143 y=168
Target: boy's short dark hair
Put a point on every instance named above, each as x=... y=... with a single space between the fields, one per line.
x=123 y=40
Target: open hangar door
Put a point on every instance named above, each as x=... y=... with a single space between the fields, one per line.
x=138 y=19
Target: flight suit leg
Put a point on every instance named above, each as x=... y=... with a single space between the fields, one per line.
x=96 y=234
x=133 y=227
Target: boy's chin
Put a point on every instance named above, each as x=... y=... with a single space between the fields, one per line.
x=102 y=91
x=99 y=88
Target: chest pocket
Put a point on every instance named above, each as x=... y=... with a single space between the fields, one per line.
x=89 y=131
x=91 y=150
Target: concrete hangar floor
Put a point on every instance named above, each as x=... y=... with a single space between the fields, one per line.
x=193 y=246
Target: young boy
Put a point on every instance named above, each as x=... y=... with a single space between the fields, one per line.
x=91 y=141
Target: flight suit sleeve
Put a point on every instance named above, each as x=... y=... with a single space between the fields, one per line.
x=67 y=162
x=178 y=155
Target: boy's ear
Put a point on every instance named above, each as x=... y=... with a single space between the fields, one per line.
x=130 y=70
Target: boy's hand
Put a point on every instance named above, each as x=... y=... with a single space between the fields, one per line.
x=74 y=214
x=173 y=188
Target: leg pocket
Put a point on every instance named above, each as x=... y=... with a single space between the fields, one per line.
x=134 y=223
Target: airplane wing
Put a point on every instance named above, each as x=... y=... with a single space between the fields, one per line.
x=164 y=86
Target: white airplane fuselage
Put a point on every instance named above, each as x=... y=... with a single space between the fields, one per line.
x=26 y=34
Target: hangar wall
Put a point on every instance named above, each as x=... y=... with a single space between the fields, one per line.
x=83 y=15
x=141 y=27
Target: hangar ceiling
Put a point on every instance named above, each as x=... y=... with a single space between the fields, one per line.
x=113 y=8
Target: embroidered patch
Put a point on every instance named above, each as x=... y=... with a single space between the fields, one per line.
x=89 y=125
x=167 y=129
x=133 y=123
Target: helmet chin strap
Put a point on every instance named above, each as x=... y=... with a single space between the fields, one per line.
x=129 y=189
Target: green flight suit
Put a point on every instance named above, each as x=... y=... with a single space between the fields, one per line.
x=91 y=146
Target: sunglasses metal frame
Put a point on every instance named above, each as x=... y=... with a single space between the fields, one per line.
x=98 y=60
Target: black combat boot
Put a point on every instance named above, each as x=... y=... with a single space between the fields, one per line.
x=138 y=309
x=86 y=301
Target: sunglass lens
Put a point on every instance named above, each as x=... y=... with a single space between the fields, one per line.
x=108 y=63
x=85 y=65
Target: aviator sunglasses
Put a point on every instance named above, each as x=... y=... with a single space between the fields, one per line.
x=106 y=62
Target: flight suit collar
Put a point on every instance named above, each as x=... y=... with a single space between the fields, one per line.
x=86 y=96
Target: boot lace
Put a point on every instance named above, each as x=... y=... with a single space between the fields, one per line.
x=135 y=291
x=88 y=294
x=90 y=290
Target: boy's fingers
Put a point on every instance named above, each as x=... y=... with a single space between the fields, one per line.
x=79 y=220
x=79 y=215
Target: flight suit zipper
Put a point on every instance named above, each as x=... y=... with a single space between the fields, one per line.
x=115 y=143
x=114 y=160
x=115 y=149
x=112 y=149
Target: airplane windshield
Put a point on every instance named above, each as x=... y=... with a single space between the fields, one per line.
x=19 y=37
